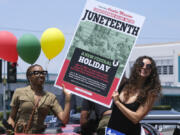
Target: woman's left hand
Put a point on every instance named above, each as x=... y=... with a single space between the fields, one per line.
x=67 y=94
x=115 y=96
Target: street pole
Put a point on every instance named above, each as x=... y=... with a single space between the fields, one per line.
x=4 y=92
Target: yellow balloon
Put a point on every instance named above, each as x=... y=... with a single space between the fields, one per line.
x=52 y=42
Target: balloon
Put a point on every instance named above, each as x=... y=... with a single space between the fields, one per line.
x=52 y=42
x=29 y=48
x=8 y=43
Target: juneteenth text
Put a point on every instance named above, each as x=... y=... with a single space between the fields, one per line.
x=115 y=24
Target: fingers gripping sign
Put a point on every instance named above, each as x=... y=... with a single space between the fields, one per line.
x=66 y=93
x=115 y=96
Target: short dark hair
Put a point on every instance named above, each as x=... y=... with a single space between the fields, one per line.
x=29 y=69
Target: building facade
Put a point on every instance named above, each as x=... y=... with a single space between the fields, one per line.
x=167 y=58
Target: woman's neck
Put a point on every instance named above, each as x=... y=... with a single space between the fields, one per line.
x=37 y=89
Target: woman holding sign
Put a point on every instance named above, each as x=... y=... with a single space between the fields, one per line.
x=31 y=104
x=135 y=98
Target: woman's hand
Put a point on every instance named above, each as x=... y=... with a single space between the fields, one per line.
x=67 y=94
x=64 y=115
x=115 y=96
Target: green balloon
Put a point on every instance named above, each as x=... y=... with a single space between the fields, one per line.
x=29 y=48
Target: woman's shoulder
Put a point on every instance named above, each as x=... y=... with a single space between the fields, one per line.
x=22 y=89
x=50 y=94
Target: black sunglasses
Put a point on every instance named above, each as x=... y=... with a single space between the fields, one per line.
x=148 y=66
x=37 y=73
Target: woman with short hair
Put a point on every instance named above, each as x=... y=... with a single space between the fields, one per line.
x=30 y=105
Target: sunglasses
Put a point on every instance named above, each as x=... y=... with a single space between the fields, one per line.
x=148 y=66
x=38 y=73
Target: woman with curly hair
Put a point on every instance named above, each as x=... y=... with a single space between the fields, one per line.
x=135 y=98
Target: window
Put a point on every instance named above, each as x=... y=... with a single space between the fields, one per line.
x=159 y=70
x=165 y=70
x=165 y=66
x=171 y=69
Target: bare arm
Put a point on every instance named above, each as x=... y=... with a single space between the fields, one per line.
x=135 y=117
x=64 y=115
x=84 y=117
x=12 y=117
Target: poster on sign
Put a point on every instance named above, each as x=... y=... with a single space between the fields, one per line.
x=99 y=51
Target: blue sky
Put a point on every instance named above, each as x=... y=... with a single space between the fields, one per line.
x=162 y=22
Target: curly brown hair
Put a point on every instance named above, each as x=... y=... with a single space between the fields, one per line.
x=151 y=85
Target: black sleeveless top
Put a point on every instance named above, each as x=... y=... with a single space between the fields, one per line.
x=121 y=123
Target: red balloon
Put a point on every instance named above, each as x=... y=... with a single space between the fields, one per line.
x=8 y=49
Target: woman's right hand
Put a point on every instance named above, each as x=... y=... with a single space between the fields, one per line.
x=115 y=96
x=67 y=94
